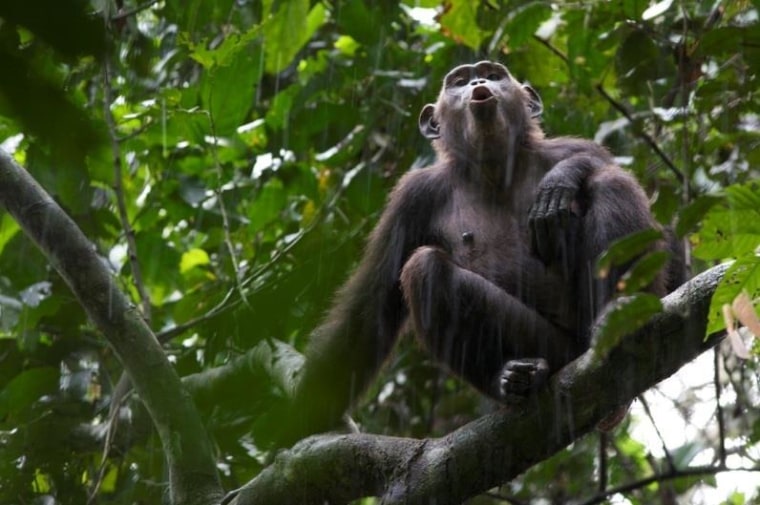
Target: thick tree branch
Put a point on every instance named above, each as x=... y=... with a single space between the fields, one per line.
x=191 y=464
x=500 y=446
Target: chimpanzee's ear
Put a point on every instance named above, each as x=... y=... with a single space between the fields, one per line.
x=428 y=124
x=535 y=105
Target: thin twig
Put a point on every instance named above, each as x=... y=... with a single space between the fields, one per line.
x=131 y=12
x=718 y=406
x=668 y=457
x=220 y=200
x=603 y=437
x=642 y=134
x=671 y=475
x=545 y=42
x=112 y=427
x=118 y=189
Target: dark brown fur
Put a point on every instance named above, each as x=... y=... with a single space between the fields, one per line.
x=489 y=252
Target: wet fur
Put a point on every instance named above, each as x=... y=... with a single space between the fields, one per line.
x=482 y=301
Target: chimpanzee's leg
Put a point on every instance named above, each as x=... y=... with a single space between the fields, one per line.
x=480 y=331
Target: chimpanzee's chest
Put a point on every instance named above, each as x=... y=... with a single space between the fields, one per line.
x=490 y=238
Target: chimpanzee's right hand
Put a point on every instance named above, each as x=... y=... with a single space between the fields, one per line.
x=554 y=224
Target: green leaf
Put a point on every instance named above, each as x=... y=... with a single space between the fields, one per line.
x=736 y=498
x=460 y=20
x=30 y=94
x=526 y=21
x=228 y=88
x=360 y=20
x=288 y=30
x=225 y=53
x=158 y=261
x=26 y=388
x=627 y=248
x=643 y=272
x=731 y=230
x=268 y=204
x=691 y=215
x=65 y=24
x=625 y=316
x=8 y=229
x=686 y=483
x=347 y=45
x=638 y=60
x=193 y=258
x=684 y=455
x=726 y=39
x=743 y=274
x=279 y=112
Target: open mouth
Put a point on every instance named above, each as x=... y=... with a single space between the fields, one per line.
x=481 y=94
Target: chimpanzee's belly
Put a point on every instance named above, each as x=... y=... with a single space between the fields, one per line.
x=490 y=240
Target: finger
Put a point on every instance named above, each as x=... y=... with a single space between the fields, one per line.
x=520 y=366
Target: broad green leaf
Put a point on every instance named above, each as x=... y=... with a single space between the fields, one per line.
x=638 y=61
x=461 y=24
x=359 y=20
x=228 y=91
x=579 y=47
x=347 y=45
x=688 y=483
x=643 y=272
x=268 y=204
x=743 y=274
x=26 y=388
x=194 y=15
x=42 y=481
x=691 y=215
x=288 y=30
x=525 y=21
x=158 y=261
x=744 y=196
x=225 y=53
x=626 y=249
x=725 y=39
x=8 y=229
x=193 y=258
x=279 y=112
x=732 y=229
x=625 y=316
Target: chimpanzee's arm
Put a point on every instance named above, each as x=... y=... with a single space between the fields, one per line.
x=360 y=329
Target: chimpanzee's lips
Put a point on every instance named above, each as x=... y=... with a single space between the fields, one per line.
x=481 y=94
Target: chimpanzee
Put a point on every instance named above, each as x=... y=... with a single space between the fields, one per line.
x=489 y=253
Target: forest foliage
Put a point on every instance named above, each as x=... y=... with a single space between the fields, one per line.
x=229 y=158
